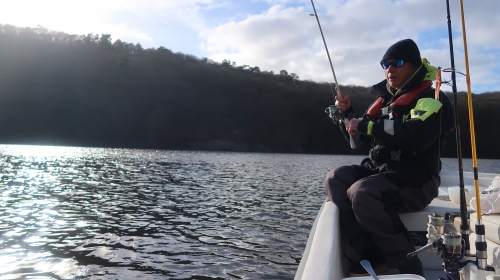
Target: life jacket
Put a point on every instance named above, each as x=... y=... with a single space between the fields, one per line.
x=404 y=99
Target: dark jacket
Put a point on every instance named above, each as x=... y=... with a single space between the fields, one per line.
x=411 y=139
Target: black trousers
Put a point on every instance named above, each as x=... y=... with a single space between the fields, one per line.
x=369 y=205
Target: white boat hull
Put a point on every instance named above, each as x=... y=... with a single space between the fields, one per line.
x=322 y=257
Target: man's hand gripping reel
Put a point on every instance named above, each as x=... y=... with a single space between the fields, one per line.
x=339 y=117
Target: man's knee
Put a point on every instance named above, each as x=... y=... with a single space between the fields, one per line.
x=362 y=196
x=370 y=194
x=336 y=178
x=372 y=188
x=341 y=174
x=373 y=197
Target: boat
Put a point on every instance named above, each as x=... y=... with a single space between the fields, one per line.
x=322 y=257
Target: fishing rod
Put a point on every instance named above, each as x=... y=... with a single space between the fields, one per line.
x=481 y=252
x=335 y=113
x=337 y=87
x=464 y=222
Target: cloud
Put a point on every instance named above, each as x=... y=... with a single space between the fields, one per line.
x=144 y=21
x=127 y=34
x=74 y=17
x=274 y=2
x=280 y=35
x=357 y=33
x=187 y=12
x=482 y=20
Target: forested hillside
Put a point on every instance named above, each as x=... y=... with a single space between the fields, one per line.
x=61 y=89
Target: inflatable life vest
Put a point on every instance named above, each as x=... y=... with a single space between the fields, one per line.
x=404 y=99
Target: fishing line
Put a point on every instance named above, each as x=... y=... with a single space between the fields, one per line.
x=451 y=82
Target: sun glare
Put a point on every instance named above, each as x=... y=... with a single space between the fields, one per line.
x=74 y=17
x=41 y=151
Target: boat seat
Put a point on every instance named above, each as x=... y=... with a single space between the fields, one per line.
x=491 y=224
x=417 y=221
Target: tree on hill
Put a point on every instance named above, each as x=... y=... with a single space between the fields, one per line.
x=87 y=90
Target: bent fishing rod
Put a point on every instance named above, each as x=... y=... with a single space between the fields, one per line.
x=337 y=87
x=335 y=114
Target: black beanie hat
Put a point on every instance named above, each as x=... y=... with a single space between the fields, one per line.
x=405 y=49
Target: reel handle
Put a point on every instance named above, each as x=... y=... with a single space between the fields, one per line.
x=434 y=244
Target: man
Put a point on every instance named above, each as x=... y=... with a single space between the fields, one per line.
x=405 y=128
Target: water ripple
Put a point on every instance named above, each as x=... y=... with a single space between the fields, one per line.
x=85 y=213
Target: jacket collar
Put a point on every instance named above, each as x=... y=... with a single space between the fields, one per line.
x=380 y=89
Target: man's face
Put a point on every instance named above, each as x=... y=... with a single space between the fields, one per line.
x=397 y=76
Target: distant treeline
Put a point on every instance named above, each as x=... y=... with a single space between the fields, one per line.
x=60 y=89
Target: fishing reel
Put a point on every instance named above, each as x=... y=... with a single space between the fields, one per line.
x=449 y=246
x=335 y=114
x=338 y=117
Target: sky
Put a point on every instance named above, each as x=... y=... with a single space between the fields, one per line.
x=280 y=35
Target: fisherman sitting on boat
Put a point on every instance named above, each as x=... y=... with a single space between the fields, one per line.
x=405 y=128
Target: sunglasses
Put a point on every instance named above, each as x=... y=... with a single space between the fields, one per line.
x=395 y=63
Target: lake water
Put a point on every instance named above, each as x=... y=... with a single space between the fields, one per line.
x=88 y=213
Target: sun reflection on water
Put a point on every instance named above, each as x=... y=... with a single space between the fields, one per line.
x=31 y=188
x=42 y=151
